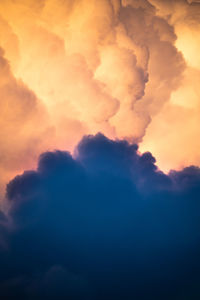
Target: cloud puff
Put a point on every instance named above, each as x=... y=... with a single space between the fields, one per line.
x=180 y=113
x=19 y=110
x=106 y=224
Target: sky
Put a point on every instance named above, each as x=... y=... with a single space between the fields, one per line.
x=99 y=149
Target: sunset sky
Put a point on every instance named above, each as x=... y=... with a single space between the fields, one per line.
x=99 y=87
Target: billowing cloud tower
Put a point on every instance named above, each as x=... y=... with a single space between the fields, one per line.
x=123 y=68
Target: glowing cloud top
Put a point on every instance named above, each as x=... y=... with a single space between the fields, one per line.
x=129 y=69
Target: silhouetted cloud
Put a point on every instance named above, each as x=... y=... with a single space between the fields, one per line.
x=106 y=224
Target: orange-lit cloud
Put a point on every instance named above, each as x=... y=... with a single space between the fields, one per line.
x=128 y=68
x=173 y=133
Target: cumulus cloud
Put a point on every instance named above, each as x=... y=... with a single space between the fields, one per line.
x=110 y=66
x=106 y=224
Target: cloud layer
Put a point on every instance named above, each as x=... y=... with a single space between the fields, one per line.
x=106 y=225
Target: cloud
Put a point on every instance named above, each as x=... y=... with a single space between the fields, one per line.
x=109 y=66
x=19 y=110
x=105 y=224
x=183 y=107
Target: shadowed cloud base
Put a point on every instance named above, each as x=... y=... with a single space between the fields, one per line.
x=106 y=224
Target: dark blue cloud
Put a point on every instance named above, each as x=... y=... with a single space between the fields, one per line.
x=106 y=224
